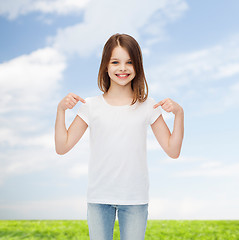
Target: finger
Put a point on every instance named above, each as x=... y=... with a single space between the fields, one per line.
x=162 y=102
x=157 y=104
x=72 y=103
x=167 y=105
x=73 y=100
x=81 y=99
x=168 y=109
x=78 y=98
x=74 y=96
x=68 y=105
x=165 y=109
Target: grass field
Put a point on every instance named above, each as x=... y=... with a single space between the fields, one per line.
x=156 y=229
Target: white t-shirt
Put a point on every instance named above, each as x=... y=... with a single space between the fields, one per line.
x=118 y=170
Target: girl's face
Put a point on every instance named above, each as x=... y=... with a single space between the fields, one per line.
x=120 y=67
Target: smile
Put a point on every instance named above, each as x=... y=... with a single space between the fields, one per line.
x=122 y=76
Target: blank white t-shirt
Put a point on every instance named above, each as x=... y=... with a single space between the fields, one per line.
x=118 y=170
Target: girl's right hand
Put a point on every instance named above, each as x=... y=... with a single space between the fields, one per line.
x=69 y=101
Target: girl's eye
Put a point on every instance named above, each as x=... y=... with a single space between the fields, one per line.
x=115 y=62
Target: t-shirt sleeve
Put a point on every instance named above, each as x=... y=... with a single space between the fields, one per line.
x=153 y=113
x=84 y=110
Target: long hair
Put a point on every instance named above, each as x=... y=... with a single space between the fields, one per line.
x=138 y=84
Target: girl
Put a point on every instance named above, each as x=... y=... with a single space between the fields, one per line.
x=118 y=121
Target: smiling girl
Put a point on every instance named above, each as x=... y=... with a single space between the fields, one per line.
x=118 y=121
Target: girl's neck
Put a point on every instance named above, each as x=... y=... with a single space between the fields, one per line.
x=118 y=98
x=119 y=93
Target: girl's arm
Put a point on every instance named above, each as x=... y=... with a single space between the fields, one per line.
x=171 y=143
x=66 y=139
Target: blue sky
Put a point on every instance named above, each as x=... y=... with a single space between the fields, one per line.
x=191 y=54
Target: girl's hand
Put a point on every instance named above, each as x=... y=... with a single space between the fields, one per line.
x=169 y=106
x=69 y=102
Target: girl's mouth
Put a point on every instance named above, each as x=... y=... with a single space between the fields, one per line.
x=122 y=76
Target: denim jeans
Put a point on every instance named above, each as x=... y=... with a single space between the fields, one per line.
x=132 y=221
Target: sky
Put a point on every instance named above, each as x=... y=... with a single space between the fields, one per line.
x=190 y=54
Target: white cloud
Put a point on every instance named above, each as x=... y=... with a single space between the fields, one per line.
x=29 y=86
x=104 y=18
x=184 y=208
x=29 y=82
x=38 y=154
x=184 y=159
x=11 y=137
x=78 y=170
x=51 y=209
x=211 y=169
x=232 y=96
x=15 y=8
x=194 y=78
x=189 y=208
x=212 y=64
x=16 y=162
x=29 y=92
x=196 y=166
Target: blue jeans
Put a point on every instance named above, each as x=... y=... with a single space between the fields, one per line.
x=132 y=221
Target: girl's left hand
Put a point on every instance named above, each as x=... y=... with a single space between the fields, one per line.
x=169 y=106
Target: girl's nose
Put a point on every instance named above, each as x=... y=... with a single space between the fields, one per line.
x=122 y=67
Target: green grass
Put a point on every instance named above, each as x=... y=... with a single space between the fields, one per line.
x=156 y=229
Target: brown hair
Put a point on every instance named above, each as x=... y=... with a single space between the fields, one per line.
x=139 y=83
